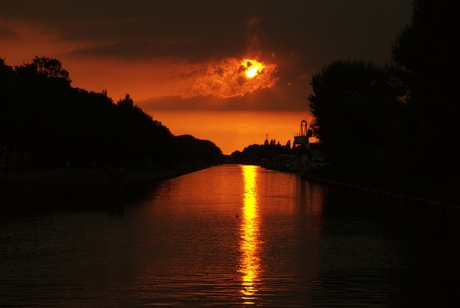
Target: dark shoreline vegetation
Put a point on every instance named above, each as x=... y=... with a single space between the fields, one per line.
x=393 y=128
x=54 y=137
x=83 y=187
x=445 y=191
x=47 y=124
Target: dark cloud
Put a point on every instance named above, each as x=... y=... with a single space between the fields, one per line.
x=192 y=49
x=270 y=99
x=315 y=31
x=323 y=31
x=296 y=37
x=195 y=30
x=8 y=33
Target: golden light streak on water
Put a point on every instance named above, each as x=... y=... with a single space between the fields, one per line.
x=249 y=264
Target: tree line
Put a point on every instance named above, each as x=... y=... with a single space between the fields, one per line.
x=396 y=123
x=46 y=123
x=254 y=154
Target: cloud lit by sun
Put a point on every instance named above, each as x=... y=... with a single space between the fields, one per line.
x=233 y=77
x=253 y=68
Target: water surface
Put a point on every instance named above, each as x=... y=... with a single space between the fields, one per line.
x=229 y=236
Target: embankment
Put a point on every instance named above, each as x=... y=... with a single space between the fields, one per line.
x=81 y=188
x=446 y=213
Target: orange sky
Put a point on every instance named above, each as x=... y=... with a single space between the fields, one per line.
x=234 y=130
x=184 y=62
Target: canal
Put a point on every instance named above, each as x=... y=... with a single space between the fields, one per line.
x=230 y=235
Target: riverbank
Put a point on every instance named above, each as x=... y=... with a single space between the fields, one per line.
x=433 y=202
x=84 y=186
x=443 y=191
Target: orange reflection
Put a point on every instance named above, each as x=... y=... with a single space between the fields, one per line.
x=249 y=263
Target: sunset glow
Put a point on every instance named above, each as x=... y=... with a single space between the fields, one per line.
x=222 y=58
x=253 y=68
x=231 y=77
x=234 y=130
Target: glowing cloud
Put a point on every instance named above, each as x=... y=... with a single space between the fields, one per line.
x=233 y=77
x=253 y=68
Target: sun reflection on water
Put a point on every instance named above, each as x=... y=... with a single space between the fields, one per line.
x=249 y=263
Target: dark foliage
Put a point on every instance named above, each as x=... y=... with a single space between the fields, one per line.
x=46 y=123
x=255 y=153
x=355 y=108
x=426 y=57
x=192 y=150
x=397 y=127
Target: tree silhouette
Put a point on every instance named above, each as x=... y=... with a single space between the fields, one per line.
x=426 y=57
x=52 y=123
x=189 y=149
x=51 y=68
x=288 y=144
x=354 y=106
x=7 y=84
x=256 y=153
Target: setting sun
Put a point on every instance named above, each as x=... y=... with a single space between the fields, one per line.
x=252 y=71
x=230 y=77
x=253 y=68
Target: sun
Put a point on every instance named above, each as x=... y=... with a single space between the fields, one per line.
x=230 y=77
x=252 y=71
x=252 y=68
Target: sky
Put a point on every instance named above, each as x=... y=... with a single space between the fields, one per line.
x=233 y=72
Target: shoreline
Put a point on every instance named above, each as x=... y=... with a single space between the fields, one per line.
x=84 y=188
x=433 y=208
